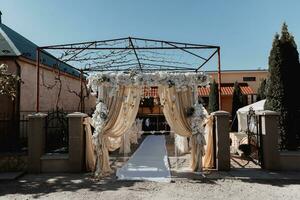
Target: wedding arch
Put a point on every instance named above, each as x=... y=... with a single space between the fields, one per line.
x=118 y=70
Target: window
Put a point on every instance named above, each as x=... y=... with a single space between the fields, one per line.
x=249 y=78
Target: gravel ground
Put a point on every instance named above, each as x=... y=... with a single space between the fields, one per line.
x=243 y=184
x=81 y=186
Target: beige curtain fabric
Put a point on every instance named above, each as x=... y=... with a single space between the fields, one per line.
x=196 y=154
x=123 y=108
x=174 y=108
x=208 y=161
x=175 y=105
x=90 y=159
x=125 y=146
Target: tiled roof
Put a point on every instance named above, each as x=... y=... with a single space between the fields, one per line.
x=202 y=91
x=225 y=90
x=14 y=44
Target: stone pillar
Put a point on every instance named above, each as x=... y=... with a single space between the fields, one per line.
x=76 y=141
x=36 y=141
x=269 y=145
x=222 y=140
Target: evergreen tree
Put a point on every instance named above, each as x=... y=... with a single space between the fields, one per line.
x=261 y=92
x=284 y=69
x=237 y=102
x=213 y=104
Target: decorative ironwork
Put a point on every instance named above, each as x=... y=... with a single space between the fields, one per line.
x=131 y=53
x=252 y=149
x=13 y=132
x=57 y=137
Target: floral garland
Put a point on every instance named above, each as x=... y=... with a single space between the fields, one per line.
x=99 y=117
x=197 y=124
x=180 y=81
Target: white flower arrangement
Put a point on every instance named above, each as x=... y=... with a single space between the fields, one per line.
x=197 y=123
x=179 y=80
x=99 y=117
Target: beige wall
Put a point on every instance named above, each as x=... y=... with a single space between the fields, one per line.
x=232 y=76
x=49 y=88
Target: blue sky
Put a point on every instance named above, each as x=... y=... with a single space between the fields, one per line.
x=243 y=29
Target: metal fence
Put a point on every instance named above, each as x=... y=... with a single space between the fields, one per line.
x=57 y=134
x=253 y=148
x=13 y=132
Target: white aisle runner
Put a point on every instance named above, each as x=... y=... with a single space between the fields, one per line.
x=149 y=162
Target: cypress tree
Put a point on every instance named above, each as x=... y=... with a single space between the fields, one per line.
x=284 y=69
x=237 y=102
x=213 y=104
x=261 y=92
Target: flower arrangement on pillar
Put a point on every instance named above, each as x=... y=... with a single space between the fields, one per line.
x=197 y=123
x=99 y=117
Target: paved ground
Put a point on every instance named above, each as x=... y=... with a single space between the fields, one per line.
x=237 y=184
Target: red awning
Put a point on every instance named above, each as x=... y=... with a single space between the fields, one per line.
x=246 y=90
x=202 y=91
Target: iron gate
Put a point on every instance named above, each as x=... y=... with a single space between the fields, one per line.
x=57 y=136
x=253 y=148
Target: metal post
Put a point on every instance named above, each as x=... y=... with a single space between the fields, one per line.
x=81 y=92
x=219 y=79
x=37 y=109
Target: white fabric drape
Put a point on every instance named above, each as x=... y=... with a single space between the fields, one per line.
x=181 y=144
x=175 y=106
x=139 y=125
x=90 y=158
x=208 y=159
x=125 y=143
x=130 y=137
x=123 y=108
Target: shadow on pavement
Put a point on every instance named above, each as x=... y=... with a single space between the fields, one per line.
x=40 y=185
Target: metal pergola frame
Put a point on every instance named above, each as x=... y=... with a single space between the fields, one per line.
x=164 y=45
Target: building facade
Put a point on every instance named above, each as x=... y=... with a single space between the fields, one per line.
x=249 y=81
x=60 y=84
x=62 y=89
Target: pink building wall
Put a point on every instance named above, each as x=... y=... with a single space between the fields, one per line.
x=50 y=92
